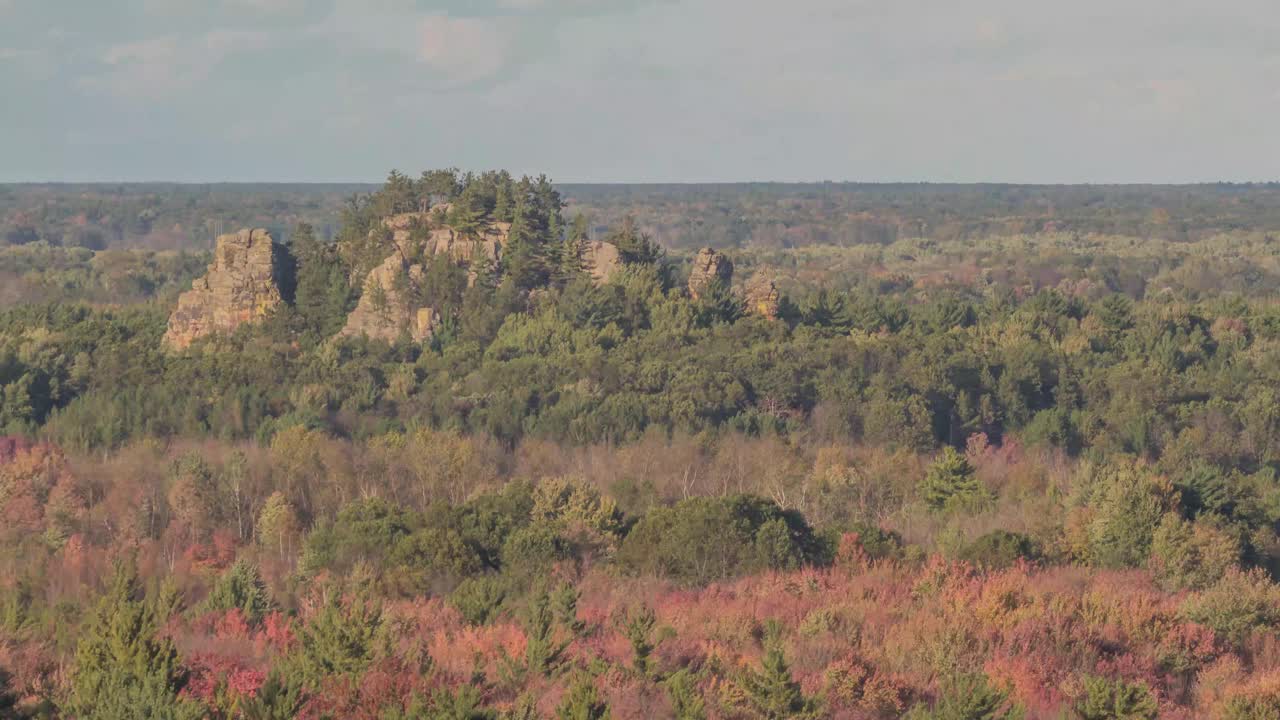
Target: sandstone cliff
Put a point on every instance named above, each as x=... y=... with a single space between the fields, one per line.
x=386 y=308
x=762 y=297
x=602 y=260
x=709 y=265
x=241 y=286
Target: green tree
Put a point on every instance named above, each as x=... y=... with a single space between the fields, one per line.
x=771 y=692
x=634 y=246
x=583 y=702
x=342 y=639
x=123 y=667
x=686 y=699
x=950 y=483
x=1128 y=504
x=242 y=588
x=638 y=628
x=1107 y=699
x=322 y=297
x=279 y=698
x=968 y=697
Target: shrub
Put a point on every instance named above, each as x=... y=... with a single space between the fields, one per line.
x=999 y=549
x=1236 y=605
x=703 y=539
x=1191 y=555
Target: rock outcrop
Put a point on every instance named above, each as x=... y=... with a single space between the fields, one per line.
x=602 y=260
x=241 y=286
x=487 y=245
x=709 y=265
x=762 y=297
x=386 y=309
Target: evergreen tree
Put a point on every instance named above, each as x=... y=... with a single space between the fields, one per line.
x=322 y=297
x=634 y=247
x=123 y=668
x=340 y=639
x=638 y=627
x=716 y=304
x=240 y=587
x=686 y=700
x=467 y=215
x=570 y=261
x=772 y=693
x=583 y=703
x=968 y=697
x=950 y=483
x=438 y=186
x=1106 y=699
x=543 y=650
x=503 y=204
x=277 y=699
x=524 y=259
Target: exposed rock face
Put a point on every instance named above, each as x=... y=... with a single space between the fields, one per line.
x=386 y=309
x=709 y=265
x=762 y=297
x=602 y=260
x=469 y=249
x=401 y=226
x=241 y=286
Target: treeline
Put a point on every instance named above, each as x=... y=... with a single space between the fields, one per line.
x=761 y=215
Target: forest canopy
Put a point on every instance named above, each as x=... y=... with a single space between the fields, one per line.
x=922 y=451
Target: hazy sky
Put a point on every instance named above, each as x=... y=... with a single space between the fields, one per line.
x=642 y=90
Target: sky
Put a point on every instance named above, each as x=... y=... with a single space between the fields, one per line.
x=641 y=90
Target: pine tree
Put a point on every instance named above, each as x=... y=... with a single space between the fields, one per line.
x=123 y=668
x=634 y=247
x=340 y=639
x=686 y=701
x=1107 y=699
x=570 y=261
x=543 y=650
x=950 y=482
x=968 y=697
x=277 y=699
x=242 y=588
x=503 y=203
x=322 y=296
x=467 y=217
x=524 y=258
x=772 y=693
x=638 y=628
x=583 y=703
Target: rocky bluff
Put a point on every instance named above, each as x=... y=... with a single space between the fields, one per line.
x=242 y=285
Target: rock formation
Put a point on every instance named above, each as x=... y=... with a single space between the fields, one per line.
x=386 y=309
x=602 y=260
x=709 y=265
x=468 y=248
x=762 y=297
x=241 y=286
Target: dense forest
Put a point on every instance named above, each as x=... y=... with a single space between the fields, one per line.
x=991 y=452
